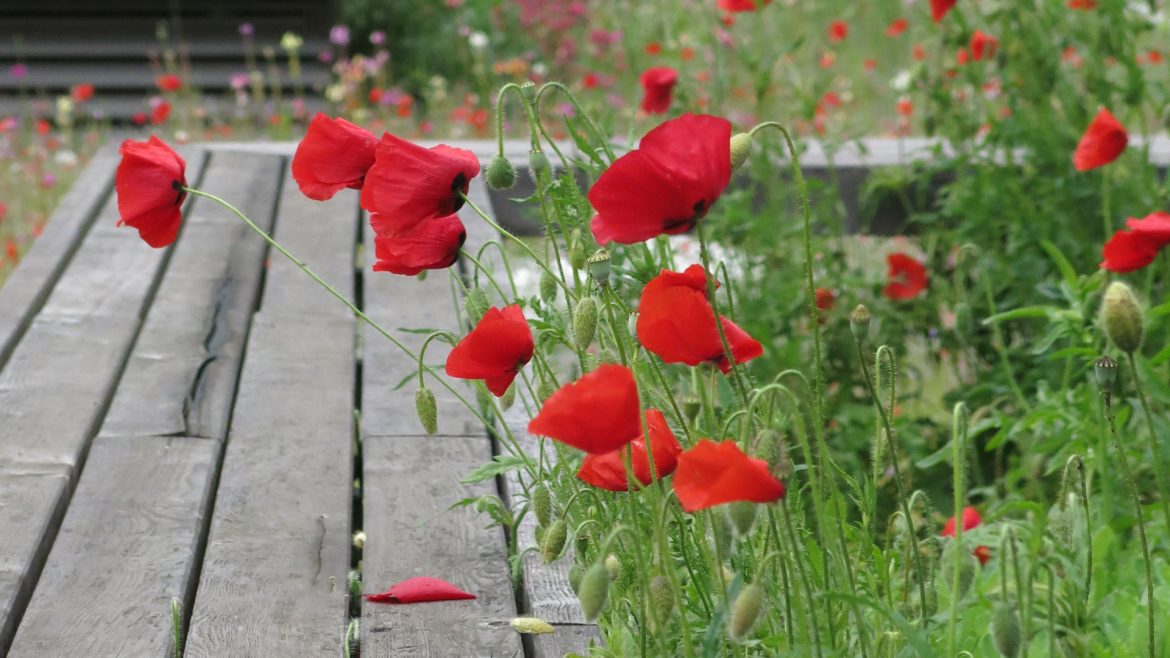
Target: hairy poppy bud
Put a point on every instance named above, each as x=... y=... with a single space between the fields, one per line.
x=1121 y=317
x=859 y=320
x=538 y=165
x=661 y=597
x=508 y=398
x=1060 y=525
x=745 y=611
x=575 y=574
x=548 y=287
x=501 y=175
x=427 y=410
x=476 y=304
x=613 y=566
x=1105 y=370
x=542 y=504
x=968 y=567
x=1005 y=631
x=599 y=266
x=532 y=625
x=741 y=148
x=554 y=541
x=593 y=591
x=585 y=322
x=743 y=516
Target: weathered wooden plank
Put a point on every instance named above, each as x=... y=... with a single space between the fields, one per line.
x=57 y=384
x=181 y=377
x=26 y=289
x=408 y=485
x=123 y=551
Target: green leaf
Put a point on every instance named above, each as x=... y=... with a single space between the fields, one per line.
x=1017 y=314
x=1066 y=269
x=1161 y=357
x=499 y=465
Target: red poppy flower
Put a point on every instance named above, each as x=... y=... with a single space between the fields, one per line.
x=653 y=48
x=420 y=589
x=907 y=277
x=962 y=56
x=1137 y=246
x=44 y=127
x=897 y=27
x=495 y=350
x=826 y=300
x=657 y=88
x=919 y=52
x=741 y=5
x=1102 y=143
x=82 y=92
x=432 y=244
x=139 y=118
x=598 y=413
x=334 y=154
x=983 y=45
x=838 y=30
x=1082 y=4
x=713 y=473
x=608 y=470
x=939 y=8
x=160 y=113
x=665 y=185
x=168 y=82
x=149 y=183
x=676 y=322
x=409 y=184
x=971 y=519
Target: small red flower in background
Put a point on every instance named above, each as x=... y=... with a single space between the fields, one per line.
x=940 y=8
x=44 y=127
x=608 y=470
x=1083 y=5
x=742 y=5
x=919 y=52
x=962 y=57
x=657 y=89
x=139 y=118
x=905 y=107
x=420 y=589
x=676 y=322
x=1138 y=246
x=1104 y=140
x=971 y=519
x=12 y=251
x=907 y=277
x=590 y=81
x=870 y=64
x=409 y=184
x=667 y=184
x=149 y=184
x=334 y=154
x=168 y=82
x=983 y=45
x=838 y=30
x=495 y=350
x=598 y=413
x=826 y=299
x=897 y=27
x=81 y=92
x=713 y=473
x=160 y=113
x=653 y=48
x=432 y=244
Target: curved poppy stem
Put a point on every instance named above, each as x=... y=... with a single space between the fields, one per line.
x=446 y=335
x=601 y=137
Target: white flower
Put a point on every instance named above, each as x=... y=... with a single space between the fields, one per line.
x=901 y=82
x=478 y=40
x=291 y=41
x=66 y=158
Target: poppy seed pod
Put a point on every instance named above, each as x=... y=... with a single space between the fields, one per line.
x=538 y=165
x=585 y=322
x=542 y=505
x=967 y=568
x=859 y=320
x=528 y=91
x=548 y=287
x=599 y=266
x=743 y=516
x=1121 y=317
x=501 y=175
x=554 y=541
x=593 y=591
x=1005 y=631
x=745 y=611
x=476 y=304
x=428 y=413
x=1105 y=370
x=741 y=149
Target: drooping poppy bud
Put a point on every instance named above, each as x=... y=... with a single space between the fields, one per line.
x=538 y=166
x=1005 y=630
x=554 y=541
x=745 y=611
x=501 y=175
x=859 y=320
x=593 y=591
x=661 y=598
x=741 y=149
x=585 y=322
x=548 y=287
x=542 y=504
x=1122 y=317
x=427 y=410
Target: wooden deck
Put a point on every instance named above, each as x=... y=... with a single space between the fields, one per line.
x=189 y=424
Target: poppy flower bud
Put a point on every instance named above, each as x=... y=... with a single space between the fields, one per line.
x=554 y=541
x=661 y=597
x=967 y=568
x=593 y=591
x=575 y=574
x=428 y=413
x=1005 y=631
x=532 y=625
x=585 y=322
x=743 y=516
x=476 y=304
x=548 y=287
x=1060 y=526
x=545 y=389
x=542 y=505
x=599 y=266
x=1105 y=370
x=538 y=165
x=508 y=398
x=501 y=175
x=745 y=611
x=859 y=320
x=613 y=566
x=577 y=257
x=741 y=149
x=1121 y=317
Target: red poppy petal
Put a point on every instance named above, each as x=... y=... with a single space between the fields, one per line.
x=1104 y=140
x=420 y=589
x=608 y=471
x=496 y=348
x=743 y=347
x=409 y=184
x=431 y=245
x=334 y=154
x=1127 y=251
x=146 y=183
x=1155 y=226
x=598 y=413
x=713 y=473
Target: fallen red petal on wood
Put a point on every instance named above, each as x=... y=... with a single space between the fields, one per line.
x=420 y=589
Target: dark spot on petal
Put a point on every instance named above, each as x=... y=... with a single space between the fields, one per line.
x=458 y=187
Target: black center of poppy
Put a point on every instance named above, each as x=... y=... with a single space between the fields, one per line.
x=686 y=223
x=459 y=187
x=177 y=186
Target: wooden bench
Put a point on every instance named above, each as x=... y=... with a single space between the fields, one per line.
x=189 y=424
